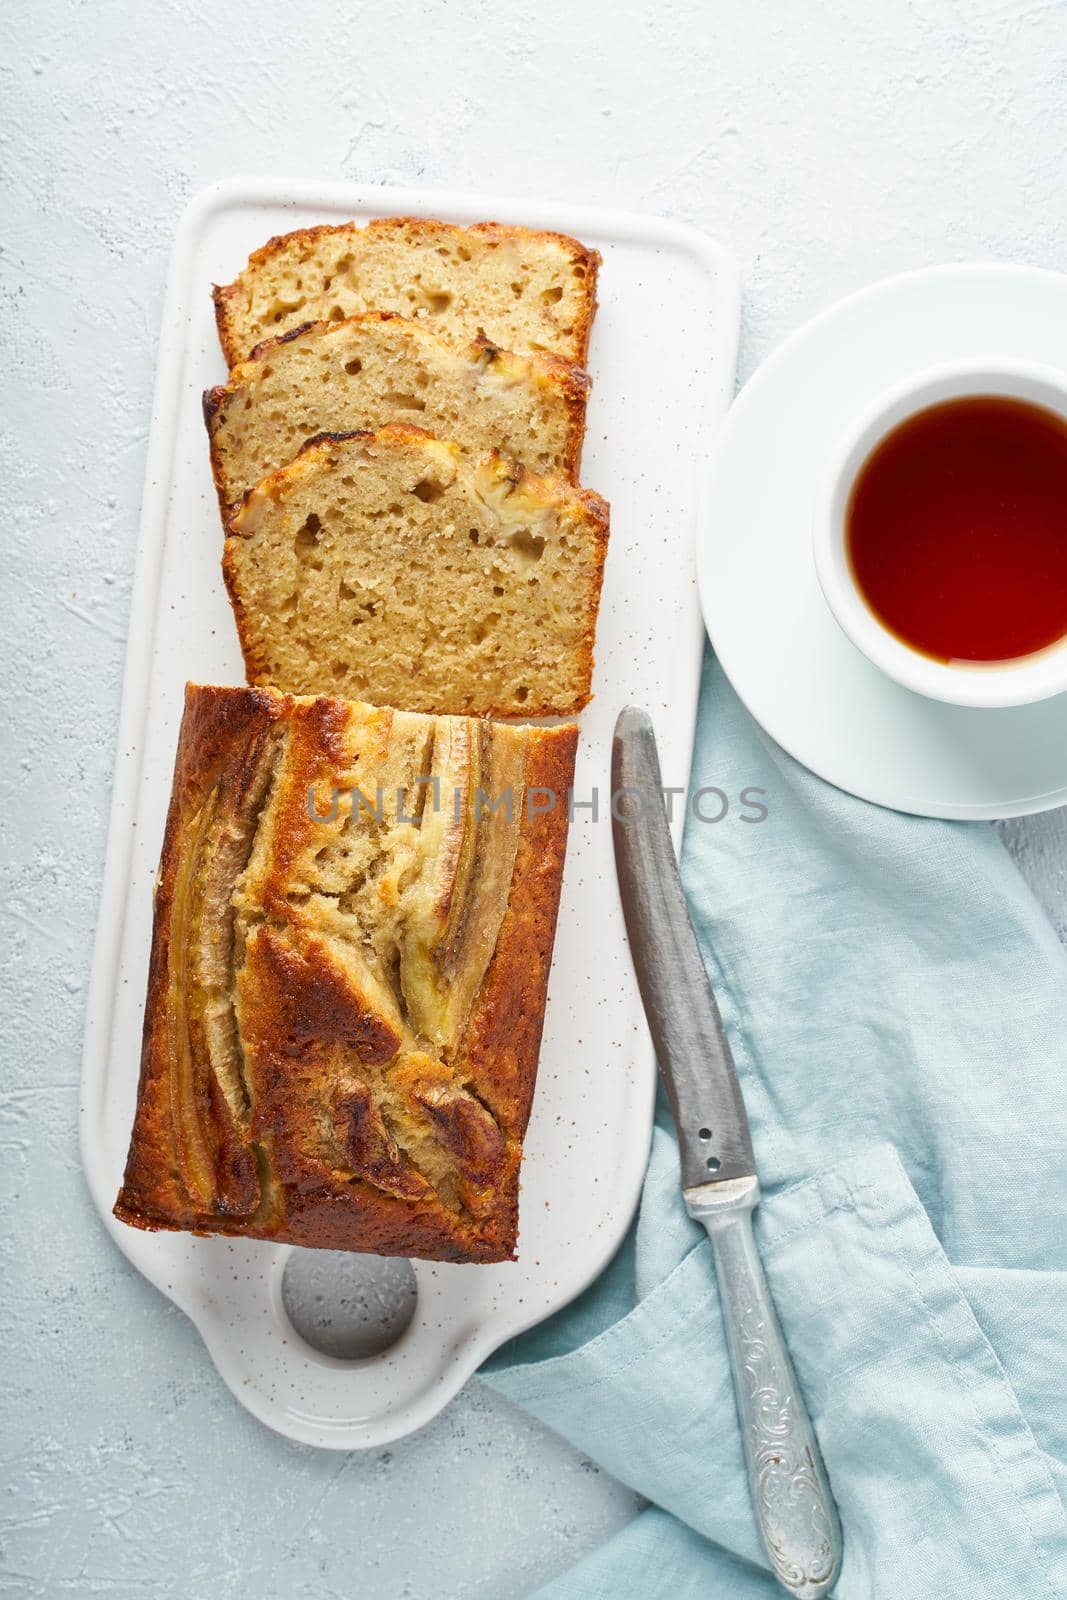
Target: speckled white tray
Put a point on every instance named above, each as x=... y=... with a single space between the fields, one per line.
x=662 y=358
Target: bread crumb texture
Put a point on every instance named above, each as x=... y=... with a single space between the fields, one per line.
x=389 y=568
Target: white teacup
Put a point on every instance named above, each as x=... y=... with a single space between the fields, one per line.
x=999 y=683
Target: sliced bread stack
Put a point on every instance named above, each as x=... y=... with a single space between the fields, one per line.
x=396 y=454
x=356 y=904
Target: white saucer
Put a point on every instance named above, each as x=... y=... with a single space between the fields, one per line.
x=771 y=628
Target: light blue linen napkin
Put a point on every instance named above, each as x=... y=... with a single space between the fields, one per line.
x=897 y=1005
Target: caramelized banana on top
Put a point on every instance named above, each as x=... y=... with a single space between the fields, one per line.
x=353 y=929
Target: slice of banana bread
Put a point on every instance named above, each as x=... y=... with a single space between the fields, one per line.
x=372 y=369
x=388 y=567
x=523 y=290
x=353 y=930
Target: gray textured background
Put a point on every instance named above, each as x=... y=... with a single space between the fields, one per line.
x=826 y=144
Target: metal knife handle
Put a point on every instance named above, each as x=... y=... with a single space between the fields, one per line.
x=790 y=1492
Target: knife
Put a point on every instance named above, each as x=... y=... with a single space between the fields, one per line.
x=790 y=1493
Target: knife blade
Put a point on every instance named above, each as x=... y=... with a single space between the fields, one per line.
x=791 y=1495
x=683 y=1017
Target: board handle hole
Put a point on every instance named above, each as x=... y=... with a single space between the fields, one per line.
x=347 y=1305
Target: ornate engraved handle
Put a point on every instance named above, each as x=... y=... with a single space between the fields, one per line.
x=790 y=1493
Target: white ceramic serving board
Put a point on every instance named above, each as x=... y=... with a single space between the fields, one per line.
x=663 y=361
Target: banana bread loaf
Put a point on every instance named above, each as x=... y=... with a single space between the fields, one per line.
x=524 y=290
x=353 y=929
x=372 y=369
x=388 y=567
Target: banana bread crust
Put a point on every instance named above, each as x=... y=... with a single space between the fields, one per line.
x=232 y=300
x=284 y=1136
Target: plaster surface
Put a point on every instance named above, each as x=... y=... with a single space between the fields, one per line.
x=826 y=145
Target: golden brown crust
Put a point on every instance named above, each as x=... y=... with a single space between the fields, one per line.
x=215 y=725
x=227 y=297
x=503 y=1037
x=600 y=519
x=302 y=1146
